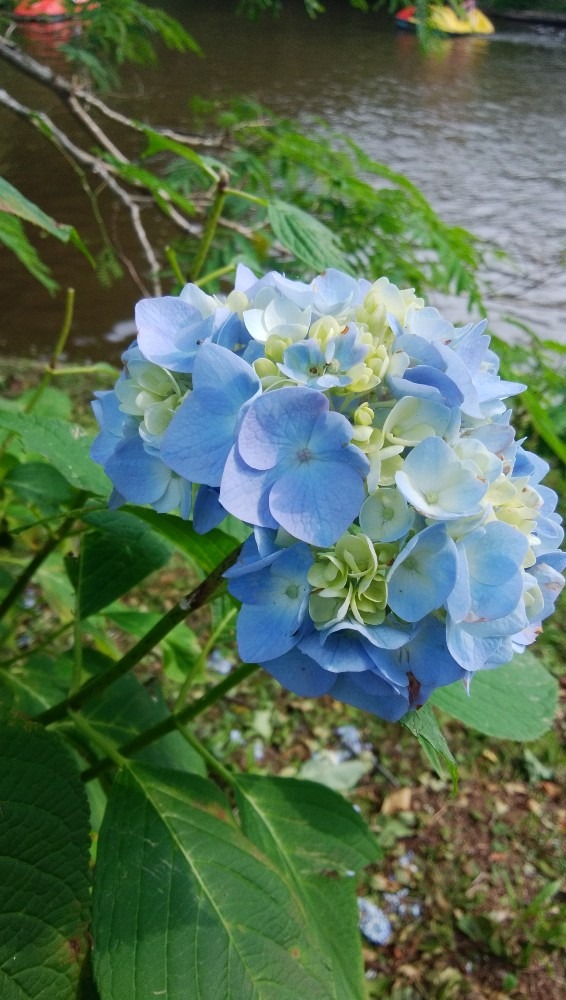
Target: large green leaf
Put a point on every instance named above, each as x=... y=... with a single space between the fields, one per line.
x=44 y=856
x=310 y=832
x=307 y=238
x=514 y=702
x=206 y=551
x=185 y=906
x=115 y=557
x=64 y=445
x=304 y=825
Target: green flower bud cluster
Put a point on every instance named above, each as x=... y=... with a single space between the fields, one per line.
x=349 y=581
x=152 y=393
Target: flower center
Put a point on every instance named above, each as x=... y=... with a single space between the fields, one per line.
x=304 y=455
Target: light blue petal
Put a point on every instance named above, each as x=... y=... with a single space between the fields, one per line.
x=423 y=574
x=139 y=477
x=318 y=501
x=244 y=492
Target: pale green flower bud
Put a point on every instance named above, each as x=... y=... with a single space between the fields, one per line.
x=349 y=581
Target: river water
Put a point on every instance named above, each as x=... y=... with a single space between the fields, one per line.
x=479 y=125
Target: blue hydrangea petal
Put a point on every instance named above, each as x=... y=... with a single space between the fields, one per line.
x=317 y=501
x=380 y=699
x=299 y=673
x=139 y=477
x=423 y=574
x=170 y=331
x=244 y=492
x=199 y=438
x=208 y=512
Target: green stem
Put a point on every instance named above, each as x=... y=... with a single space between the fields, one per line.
x=208 y=758
x=57 y=351
x=247 y=197
x=21 y=583
x=169 y=724
x=49 y=368
x=98 y=739
x=212 y=275
x=201 y=659
x=174 y=265
x=210 y=227
x=199 y=596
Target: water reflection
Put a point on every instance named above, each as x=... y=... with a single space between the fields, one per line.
x=476 y=125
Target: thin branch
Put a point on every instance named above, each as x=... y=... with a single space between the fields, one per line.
x=65 y=88
x=43 y=123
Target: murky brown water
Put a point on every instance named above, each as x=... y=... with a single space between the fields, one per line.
x=479 y=126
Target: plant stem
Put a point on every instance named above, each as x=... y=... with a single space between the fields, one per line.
x=49 y=369
x=212 y=275
x=211 y=226
x=197 y=597
x=174 y=265
x=196 y=666
x=47 y=548
x=98 y=739
x=208 y=758
x=255 y=199
x=169 y=724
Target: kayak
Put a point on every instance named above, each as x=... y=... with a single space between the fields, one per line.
x=49 y=10
x=445 y=21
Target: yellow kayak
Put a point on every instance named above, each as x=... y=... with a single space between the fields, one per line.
x=446 y=21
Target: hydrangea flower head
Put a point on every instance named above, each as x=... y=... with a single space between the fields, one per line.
x=401 y=538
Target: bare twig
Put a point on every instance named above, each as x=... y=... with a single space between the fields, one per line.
x=43 y=123
x=65 y=88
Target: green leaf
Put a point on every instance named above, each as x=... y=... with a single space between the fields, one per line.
x=44 y=856
x=14 y=203
x=13 y=236
x=52 y=403
x=514 y=702
x=35 y=684
x=304 y=825
x=157 y=185
x=115 y=557
x=544 y=425
x=311 y=832
x=158 y=142
x=126 y=708
x=423 y=724
x=206 y=551
x=185 y=906
x=305 y=237
x=40 y=484
x=64 y=445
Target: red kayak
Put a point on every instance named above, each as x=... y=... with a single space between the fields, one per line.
x=49 y=10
